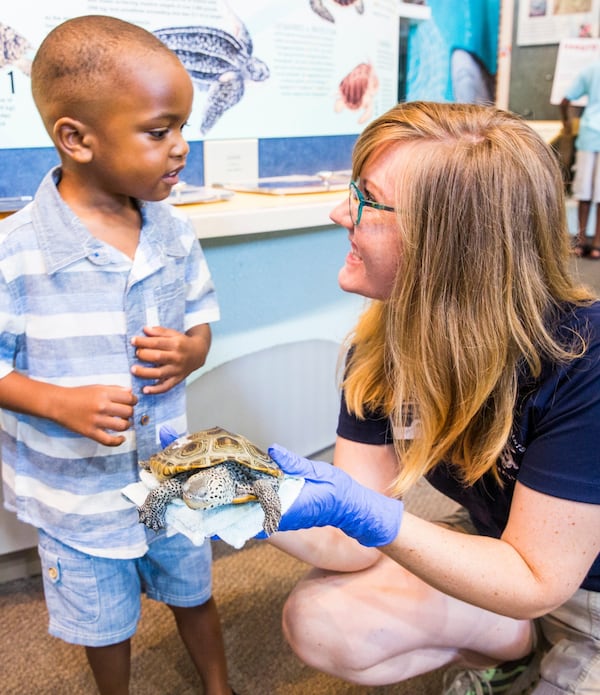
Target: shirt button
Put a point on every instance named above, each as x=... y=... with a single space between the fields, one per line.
x=145 y=419
x=52 y=573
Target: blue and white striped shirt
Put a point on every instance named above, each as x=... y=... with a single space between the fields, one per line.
x=69 y=307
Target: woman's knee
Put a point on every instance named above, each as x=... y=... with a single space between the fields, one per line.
x=316 y=628
x=300 y=621
x=306 y=627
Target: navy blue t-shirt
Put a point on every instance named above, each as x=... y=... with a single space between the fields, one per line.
x=554 y=447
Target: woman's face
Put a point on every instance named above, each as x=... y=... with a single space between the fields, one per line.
x=372 y=262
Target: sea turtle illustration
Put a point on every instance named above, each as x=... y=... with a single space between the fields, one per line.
x=217 y=61
x=210 y=468
x=14 y=49
x=357 y=89
x=318 y=6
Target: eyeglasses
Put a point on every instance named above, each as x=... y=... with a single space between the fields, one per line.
x=356 y=196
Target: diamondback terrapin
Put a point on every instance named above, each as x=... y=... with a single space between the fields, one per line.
x=210 y=468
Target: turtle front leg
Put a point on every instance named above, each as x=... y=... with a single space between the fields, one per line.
x=318 y=7
x=152 y=512
x=222 y=95
x=267 y=494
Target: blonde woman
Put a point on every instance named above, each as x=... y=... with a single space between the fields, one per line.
x=477 y=366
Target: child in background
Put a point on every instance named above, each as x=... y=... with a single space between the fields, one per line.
x=105 y=299
x=586 y=180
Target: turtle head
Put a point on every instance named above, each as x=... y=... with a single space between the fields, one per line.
x=208 y=488
x=257 y=70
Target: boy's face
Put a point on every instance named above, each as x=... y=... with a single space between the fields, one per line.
x=138 y=146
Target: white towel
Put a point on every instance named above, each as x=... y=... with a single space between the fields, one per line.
x=232 y=523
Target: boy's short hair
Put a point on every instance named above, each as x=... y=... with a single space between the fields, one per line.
x=85 y=59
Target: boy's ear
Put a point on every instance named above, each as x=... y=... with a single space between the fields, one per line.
x=73 y=139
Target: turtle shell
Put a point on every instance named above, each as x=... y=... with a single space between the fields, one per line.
x=354 y=86
x=207 y=448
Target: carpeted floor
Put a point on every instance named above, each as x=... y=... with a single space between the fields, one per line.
x=250 y=587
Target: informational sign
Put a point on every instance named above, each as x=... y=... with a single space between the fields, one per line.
x=573 y=55
x=549 y=21
x=297 y=68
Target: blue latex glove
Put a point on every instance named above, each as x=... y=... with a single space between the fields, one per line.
x=330 y=497
x=167 y=435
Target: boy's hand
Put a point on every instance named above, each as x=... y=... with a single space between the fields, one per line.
x=96 y=411
x=174 y=355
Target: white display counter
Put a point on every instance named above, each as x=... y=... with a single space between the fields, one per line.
x=254 y=213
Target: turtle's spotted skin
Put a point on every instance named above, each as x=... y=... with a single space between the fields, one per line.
x=217 y=60
x=211 y=468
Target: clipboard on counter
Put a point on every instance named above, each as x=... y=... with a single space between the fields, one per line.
x=293 y=184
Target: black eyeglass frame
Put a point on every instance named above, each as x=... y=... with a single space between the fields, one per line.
x=354 y=193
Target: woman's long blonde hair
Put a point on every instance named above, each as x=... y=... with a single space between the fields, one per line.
x=483 y=270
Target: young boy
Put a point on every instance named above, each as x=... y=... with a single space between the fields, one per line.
x=105 y=299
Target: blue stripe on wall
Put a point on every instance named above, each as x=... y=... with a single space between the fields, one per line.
x=23 y=169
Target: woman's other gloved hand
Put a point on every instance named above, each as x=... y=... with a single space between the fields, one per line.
x=167 y=435
x=330 y=497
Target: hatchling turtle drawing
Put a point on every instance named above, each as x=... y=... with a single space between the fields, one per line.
x=210 y=468
x=356 y=91
x=319 y=7
x=14 y=49
x=218 y=61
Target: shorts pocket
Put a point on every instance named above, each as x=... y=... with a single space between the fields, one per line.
x=70 y=587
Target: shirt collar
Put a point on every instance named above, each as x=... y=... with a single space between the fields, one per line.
x=64 y=239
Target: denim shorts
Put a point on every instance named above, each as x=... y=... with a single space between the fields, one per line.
x=95 y=601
